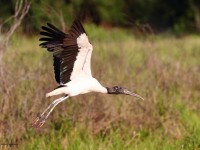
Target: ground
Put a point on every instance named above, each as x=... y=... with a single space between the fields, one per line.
x=164 y=69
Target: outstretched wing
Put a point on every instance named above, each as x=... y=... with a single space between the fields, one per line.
x=71 y=51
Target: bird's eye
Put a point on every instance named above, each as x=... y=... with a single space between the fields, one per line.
x=116 y=87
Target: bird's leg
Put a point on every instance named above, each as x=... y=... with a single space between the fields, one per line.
x=52 y=106
x=45 y=118
x=40 y=116
x=54 y=102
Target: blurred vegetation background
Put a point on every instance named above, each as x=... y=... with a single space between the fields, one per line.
x=163 y=68
x=174 y=15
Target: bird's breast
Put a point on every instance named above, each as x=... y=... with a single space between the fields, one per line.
x=80 y=86
x=85 y=85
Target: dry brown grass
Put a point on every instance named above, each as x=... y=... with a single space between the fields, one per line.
x=164 y=70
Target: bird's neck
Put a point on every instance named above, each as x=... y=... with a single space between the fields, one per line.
x=97 y=87
x=108 y=90
x=103 y=90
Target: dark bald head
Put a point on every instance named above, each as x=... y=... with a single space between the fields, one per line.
x=122 y=90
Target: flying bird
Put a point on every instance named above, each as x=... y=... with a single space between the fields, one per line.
x=72 y=53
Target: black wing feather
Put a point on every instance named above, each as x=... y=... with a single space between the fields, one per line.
x=64 y=47
x=56 y=63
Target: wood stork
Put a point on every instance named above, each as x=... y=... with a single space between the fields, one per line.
x=72 y=53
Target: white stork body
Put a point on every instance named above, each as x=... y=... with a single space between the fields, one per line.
x=78 y=86
x=81 y=77
x=72 y=53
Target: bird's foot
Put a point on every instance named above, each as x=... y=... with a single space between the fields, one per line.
x=38 y=122
x=35 y=122
x=41 y=123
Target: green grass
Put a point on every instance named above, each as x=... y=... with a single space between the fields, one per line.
x=162 y=68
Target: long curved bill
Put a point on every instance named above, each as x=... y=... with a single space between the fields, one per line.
x=127 y=92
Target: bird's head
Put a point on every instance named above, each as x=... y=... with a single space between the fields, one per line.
x=121 y=90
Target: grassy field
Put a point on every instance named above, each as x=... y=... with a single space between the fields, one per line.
x=164 y=69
